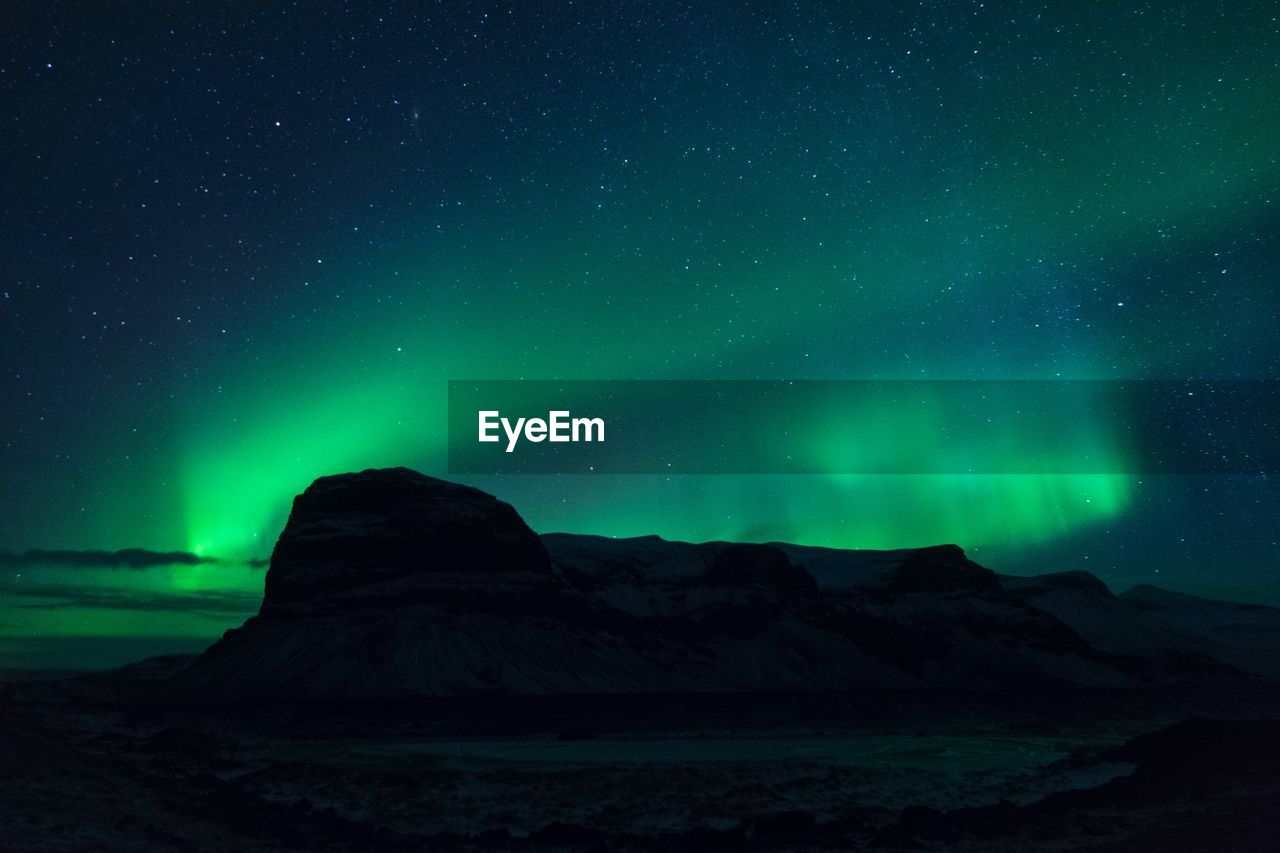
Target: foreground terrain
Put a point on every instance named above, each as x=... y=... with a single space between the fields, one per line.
x=426 y=672
x=480 y=775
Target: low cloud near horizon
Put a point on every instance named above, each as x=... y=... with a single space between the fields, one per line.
x=127 y=558
x=216 y=604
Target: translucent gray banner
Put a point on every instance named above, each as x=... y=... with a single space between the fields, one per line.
x=864 y=427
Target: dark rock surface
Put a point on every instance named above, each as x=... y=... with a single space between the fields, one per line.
x=92 y=777
x=762 y=566
x=381 y=526
x=1197 y=785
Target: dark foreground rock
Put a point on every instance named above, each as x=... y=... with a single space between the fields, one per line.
x=1199 y=785
x=88 y=778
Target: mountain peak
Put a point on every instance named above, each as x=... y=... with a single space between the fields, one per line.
x=941 y=568
x=353 y=530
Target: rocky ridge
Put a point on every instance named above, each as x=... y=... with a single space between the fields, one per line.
x=390 y=584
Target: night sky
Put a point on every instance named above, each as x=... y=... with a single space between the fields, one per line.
x=247 y=244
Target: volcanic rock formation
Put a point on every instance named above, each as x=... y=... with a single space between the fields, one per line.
x=388 y=583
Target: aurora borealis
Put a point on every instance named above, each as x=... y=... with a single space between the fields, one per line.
x=244 y=247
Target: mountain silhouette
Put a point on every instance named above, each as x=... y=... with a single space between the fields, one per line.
x=387 y=583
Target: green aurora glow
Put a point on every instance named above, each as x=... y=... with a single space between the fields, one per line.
x=1047 y=206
